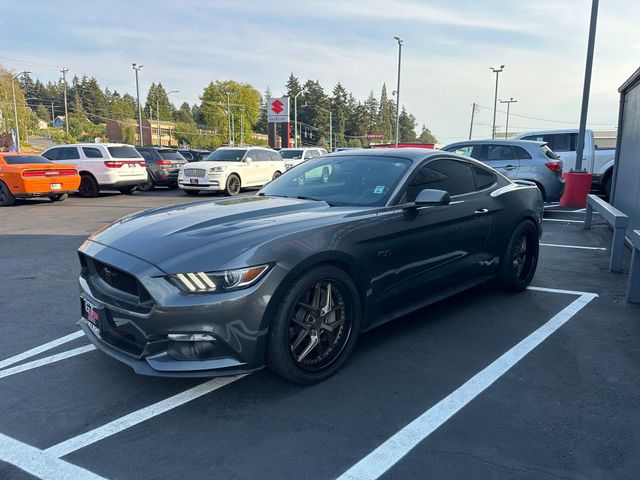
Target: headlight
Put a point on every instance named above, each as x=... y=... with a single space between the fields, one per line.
x=219 y=169
x=224 y=281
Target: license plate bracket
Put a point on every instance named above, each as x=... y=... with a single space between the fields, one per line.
x=194 y=181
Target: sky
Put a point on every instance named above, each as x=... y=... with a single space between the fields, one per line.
x=449 y=47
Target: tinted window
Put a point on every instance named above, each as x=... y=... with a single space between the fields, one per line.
x=171 y=155
x=226 y=155
x=462 y=150
x=522 y=154
x=22 y=159
x=260 y=156
x=187 y=155
x=492 y=153
x=69 y=153
x=563 y=142
x=450 y=175
x=147 y=155
x=549 y=153
x=52 y=154
x=484 y=178
x=123 y=152
x=91 y=152
x=275 y=156
x=291 y=154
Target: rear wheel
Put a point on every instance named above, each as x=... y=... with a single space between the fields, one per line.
x=315 y=326
x=520 y=259
x=148 y=186
x=192 y=192
x=607 y=187
x=233 y=185
x=88 y=186
x=127 y=190
x=6 y=197
x=58 y=197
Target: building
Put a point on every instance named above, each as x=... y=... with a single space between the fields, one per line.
x=127 y=131
x=625 y=193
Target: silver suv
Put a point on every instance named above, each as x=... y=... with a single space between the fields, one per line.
x=518 y=160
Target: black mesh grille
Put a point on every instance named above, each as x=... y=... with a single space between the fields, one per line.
x=116 y=278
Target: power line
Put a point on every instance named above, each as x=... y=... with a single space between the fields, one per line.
x=543 y=119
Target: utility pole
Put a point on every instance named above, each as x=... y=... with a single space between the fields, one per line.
x=495 y=99
x=506 y=128
x=473 y=112
x=137 y=69
x=400 y=42
x=158 y=119
x=587 y=85
x=15 y=108
x=53 y=113
x=242 y=125
x=228 y=115
x=66 y=114
x=330 y=132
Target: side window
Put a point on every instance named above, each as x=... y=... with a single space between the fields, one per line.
x=69 y=153
x=91 y=152
x=562 y=142
x=52 y=154
x=452 y=176
x=275 y=157
x=522 y=154
x=484 y=178
x=147 y=155
x=492 y=153
x=463 y=150
x=261 y=156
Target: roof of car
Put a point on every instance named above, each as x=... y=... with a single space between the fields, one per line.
x=508 y=141
x=92 y=145
x=245 y=148
x=408 y=153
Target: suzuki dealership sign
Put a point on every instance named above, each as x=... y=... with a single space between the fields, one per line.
x=278 y=110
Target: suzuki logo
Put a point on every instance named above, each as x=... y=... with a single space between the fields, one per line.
x=277 y=106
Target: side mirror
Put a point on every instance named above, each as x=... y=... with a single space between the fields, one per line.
x=248 y=160
x=429 y=196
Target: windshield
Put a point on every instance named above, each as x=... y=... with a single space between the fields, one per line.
x=291 y=154
x=354 y=181
x=170 y=155
x=22 y=159
x=123 y=152
x=226 y=155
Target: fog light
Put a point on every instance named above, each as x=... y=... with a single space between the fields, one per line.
x=190 y=337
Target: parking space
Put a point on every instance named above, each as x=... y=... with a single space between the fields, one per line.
x=487 y=384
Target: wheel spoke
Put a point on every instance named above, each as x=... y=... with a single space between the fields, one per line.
x=327 y=304
x=316 y=296
x=313 y=343
x=307 y=307
x=331 y=327
x=301 y=336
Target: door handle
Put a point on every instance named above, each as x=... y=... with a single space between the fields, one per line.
x=481 y=211
x=510 y=167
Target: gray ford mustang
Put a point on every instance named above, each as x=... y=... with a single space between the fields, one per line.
x=289 y=277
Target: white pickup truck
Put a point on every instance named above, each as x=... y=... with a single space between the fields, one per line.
x=564 y=143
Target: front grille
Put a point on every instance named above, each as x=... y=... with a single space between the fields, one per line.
x=116 y=278
x=194 y=172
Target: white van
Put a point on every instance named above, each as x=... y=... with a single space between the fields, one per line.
x=229 y=169
x=102 y=166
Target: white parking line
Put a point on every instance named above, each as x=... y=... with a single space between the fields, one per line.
x=36 y=462
x=139 y=416
x=396 y=447
x=42 y=348
x=571 y=246
x=45 y=361
x=562 y=220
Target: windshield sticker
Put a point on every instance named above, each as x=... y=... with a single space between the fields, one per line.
x=379 y=189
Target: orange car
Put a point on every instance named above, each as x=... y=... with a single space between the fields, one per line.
x=27 y=176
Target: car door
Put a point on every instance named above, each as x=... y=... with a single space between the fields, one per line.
x=70 y=156
x=253 y=170
x=52 y=154
x=499 y=156
x=436 y=248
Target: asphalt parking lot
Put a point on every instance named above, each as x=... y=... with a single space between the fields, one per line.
x=485 y=385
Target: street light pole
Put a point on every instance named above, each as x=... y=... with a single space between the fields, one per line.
x=295 y=118
x=508 y=102
x=495 y=99
x=15 y=108
x=400 y=42
x=587 y=85
x=330 y=132
x=228 y=116
x=66 y=114
x=137 y=69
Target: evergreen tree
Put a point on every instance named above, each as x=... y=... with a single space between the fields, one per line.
x=339 y=111
x=261 y=125
x=157 y=97
x=407 y=127
x=426 y=136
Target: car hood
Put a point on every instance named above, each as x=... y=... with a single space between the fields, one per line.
x=209 y=164
x=212 y=231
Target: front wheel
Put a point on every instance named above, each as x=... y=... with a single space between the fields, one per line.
x=315 y=327
x=6 y=197
x=233 y=185
x=519 y=262
x=58 y=197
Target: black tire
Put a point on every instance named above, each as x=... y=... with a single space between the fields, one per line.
x=233 y=186
x=127 y=190
x=293 y=324
x=276 y=175
x=6 y=197
x=89 y=187
x=148 y=186
x=520 y=259
x=58 y=197
x=192 y=192
x=606 y=186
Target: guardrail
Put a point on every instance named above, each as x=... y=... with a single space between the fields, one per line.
x=614 y=217
x=633 y=288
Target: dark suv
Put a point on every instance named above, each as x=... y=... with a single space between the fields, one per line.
x=163 y=165
x=194 y=155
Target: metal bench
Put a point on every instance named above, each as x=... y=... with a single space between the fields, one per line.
x=633 y=289
x=618 y=220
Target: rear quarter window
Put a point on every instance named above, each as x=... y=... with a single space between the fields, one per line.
x=91 y=152
x=484 y=178
x=123 y=152
x=521 y=153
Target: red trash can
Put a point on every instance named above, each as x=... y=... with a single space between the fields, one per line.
x=577 y=186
